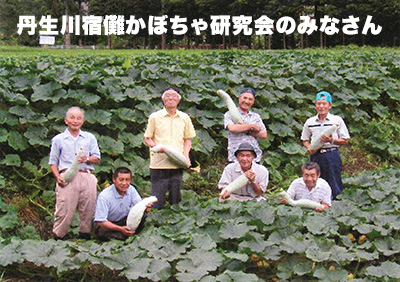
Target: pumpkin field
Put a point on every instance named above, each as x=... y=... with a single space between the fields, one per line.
x=201 y=239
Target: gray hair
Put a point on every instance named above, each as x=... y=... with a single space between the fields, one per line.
x=73 y=109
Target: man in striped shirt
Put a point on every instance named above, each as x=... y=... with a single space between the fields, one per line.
x=311 y=187
x=249 y=131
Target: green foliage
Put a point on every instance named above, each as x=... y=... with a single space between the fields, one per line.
x=119 y=92
x=200 y=239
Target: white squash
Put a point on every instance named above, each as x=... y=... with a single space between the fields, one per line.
x=174 y=155
x=137 y=211
x=235 y=185
x=316 y=142
x=73 y=169
x=233 y=110
x=303 y=203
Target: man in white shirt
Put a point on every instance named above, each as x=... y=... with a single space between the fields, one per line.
x=328 y=157
x=256 y=174
x=310 y=186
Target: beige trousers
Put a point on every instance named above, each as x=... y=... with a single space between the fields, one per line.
x=79 y=194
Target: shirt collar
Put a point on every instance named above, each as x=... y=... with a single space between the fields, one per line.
x=68 y=134
x=165 y=113
x=116 y=194
x=243 y=113
x=328 y=117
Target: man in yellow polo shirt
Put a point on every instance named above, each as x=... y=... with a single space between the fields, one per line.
x=172 y=127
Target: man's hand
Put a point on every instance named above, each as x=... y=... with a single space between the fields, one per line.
x=325 y=138
x=251 y=176
x=224 y=194
x=322 y=207
x=61 y=182
x=126 y=230
x=283 y=200
x=148 y=207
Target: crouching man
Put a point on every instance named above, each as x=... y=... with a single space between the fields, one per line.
x=113 y=206
x=256 y=174
x=311 y=187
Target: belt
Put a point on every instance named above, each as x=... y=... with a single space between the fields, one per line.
x=327 y=150
x=81 y=170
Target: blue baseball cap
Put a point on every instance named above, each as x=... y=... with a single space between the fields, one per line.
x=324 y=95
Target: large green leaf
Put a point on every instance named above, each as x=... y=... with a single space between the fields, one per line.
x=197 y=263
x=387 y=269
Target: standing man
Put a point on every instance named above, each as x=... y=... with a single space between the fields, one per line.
x=256 y=174
x=328 y=157
x=80 y=192
x=310 y=187
x=172 y=127
x=248 y=131
x=113 y=206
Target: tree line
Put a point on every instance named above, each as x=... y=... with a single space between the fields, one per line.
x=384 y=13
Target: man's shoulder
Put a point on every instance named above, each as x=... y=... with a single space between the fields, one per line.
x=106 y=193
x=298 y=181
x=183 y=114
x=60 y=135
x=311 y=120
x=87 y=134
x=260 y=167
x=322 y=183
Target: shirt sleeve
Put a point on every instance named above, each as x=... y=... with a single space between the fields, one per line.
x=342 y=131
x=149 y=133
x=225 y=178
x=327 y=195
x=189 y=129
x=102 y=208
x=54 y=152
x=227 y=119
x=260 y=122
x=292 y=190
x=135 y=197
x=263 y=179
x=305 y=133
x=94 y=147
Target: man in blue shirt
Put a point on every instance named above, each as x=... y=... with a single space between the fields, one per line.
x=113 y=206
x=80 y=192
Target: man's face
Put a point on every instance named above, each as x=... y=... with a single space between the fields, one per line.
x=310 y=177
x=170 y=98
x=122 y=182
x=74 y=119
x=322 y=107
x=246 y=101
x=245 y=159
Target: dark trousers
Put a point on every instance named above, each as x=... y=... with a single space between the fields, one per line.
x=163 y=180
x=105 y=234
x=331 y=169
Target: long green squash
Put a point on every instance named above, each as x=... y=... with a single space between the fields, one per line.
x=73 y=169
x=303 y=203
x=233 y=110
x=316 y=142
x=174 y=155
x=137 y=211
x=235 y=185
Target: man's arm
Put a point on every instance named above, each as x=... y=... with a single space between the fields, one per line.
x=242 y=127
x=149 y=142
x=187 y=146
x=111 y=226
x=60 y=181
